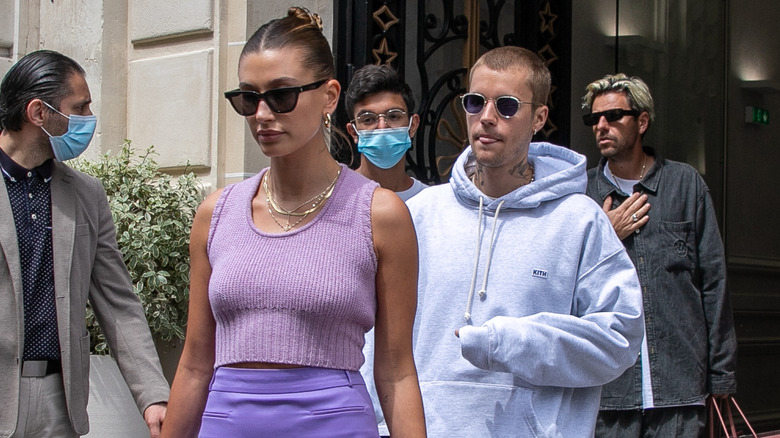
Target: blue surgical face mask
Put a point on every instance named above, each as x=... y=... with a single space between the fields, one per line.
x=384 y=147
x=72 y=143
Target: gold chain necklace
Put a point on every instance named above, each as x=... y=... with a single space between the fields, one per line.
x=317 y=200
x=642 y=172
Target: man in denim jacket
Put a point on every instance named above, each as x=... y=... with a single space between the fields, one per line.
x=663 y=213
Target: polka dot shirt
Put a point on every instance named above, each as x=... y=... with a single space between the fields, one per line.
x=30 y=195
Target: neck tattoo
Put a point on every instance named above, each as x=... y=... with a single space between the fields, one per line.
x=533 y=177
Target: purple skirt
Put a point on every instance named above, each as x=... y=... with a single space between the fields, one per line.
x=295 y=402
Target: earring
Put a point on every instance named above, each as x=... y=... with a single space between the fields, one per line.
x=535 y=130
x=326 y=120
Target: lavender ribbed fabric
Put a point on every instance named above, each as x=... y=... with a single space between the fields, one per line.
x=303 y=297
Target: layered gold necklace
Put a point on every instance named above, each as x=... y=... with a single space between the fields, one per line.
x=315 y=203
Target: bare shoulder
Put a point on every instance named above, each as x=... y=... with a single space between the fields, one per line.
x=206 y=208
x=387 y=209
x=202 y=221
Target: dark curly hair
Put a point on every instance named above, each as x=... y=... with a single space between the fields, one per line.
x=372 y=79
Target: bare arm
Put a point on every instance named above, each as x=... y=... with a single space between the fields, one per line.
x=395 y=374
x=630 y=216
x=190 y=387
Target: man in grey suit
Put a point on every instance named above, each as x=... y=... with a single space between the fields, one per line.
x=57 y=250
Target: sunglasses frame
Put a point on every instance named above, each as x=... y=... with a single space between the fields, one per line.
x=612 y=115
x=495 y=104
x=229 y=95
x=383 y=115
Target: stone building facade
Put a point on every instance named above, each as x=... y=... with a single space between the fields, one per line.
x=156 y=71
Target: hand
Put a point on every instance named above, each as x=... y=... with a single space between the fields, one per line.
x=630 y=216
x=154 y=416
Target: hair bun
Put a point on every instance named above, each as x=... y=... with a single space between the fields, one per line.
x=305 y=15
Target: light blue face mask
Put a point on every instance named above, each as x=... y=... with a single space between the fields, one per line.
x=384 y=147
x=72 y=143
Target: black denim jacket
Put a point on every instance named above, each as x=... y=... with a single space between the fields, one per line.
x=679 y=258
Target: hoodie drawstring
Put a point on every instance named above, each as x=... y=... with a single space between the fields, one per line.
x=482 y=292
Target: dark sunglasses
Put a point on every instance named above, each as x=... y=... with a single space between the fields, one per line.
x=507 y=106
x=279 y=100
x=612 y=115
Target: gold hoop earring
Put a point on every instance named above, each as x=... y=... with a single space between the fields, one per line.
x=326 y=120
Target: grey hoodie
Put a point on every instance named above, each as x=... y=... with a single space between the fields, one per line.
x=546 y=300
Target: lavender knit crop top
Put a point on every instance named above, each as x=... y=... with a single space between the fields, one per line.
x=304 y=297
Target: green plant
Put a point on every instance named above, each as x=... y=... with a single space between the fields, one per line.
x=153 y=215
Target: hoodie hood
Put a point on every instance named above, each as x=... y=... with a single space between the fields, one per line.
x=558 y=172
x=552 y=304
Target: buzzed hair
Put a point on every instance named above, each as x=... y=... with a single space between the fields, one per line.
x=513 y=57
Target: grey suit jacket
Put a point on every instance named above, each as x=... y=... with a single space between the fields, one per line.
x=87 y=266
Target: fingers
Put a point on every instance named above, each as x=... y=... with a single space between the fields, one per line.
x=154 y=416
x=629 y=216
x=638 y=208
x=642 y=211
x=154 y=430
x=607 y=206
x=632 y=203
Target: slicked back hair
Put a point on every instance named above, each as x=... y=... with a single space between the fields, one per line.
x=635 y=89
x=299 y=29
x=45 y=75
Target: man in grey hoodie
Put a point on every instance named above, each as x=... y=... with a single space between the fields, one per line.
x=527 y=300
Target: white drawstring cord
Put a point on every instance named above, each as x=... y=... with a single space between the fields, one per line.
x=467 y=316
x=482 y=291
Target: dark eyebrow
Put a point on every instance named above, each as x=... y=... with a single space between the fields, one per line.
x=365 y=111
x=81 y=103
x=282 y=82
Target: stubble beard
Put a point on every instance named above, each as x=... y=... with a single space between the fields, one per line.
x=41 y=149
x=492 y=158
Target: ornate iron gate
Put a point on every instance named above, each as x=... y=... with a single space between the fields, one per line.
x=441 y=39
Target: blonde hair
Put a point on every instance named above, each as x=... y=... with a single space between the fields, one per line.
x=635 y=89
x=513 y=57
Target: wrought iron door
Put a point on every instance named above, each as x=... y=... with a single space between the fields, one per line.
x=433 y=43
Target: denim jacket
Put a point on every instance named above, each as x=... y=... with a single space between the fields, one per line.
x=680 y=261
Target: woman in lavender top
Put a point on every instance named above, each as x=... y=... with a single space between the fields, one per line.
x=290 y=268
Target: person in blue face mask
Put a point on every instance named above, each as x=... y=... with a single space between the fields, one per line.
x=58 y=249
x=379 y=104
x=76 y=139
